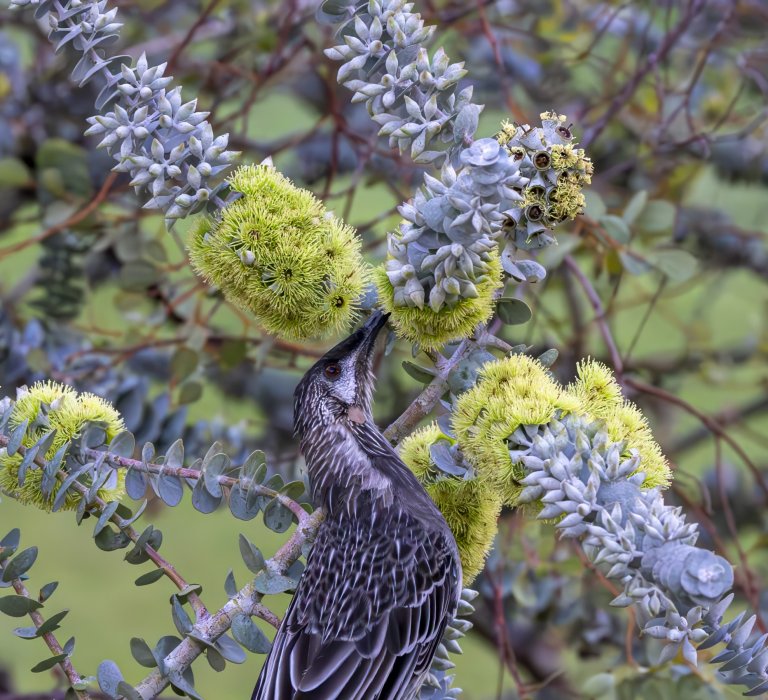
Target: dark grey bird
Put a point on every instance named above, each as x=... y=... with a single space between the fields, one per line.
x=384 y=577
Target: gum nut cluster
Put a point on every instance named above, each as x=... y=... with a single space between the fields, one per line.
x=443 y=269
x=48 y=406
x=518 y=391
x=469 y=505
x=556 y=172
x=276 y=252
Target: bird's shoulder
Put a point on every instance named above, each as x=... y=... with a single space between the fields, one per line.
x=364 y=566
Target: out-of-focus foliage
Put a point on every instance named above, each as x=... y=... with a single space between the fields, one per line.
x=670 y=105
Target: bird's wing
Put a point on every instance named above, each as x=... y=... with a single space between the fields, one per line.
x=368 y=614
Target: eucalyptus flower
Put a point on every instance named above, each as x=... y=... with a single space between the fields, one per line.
x=469 y=504
x=58 y=410
x=510 y=393
x=276 y=252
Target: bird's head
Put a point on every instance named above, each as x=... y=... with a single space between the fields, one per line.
x=338 y=387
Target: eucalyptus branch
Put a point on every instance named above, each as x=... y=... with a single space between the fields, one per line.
x=98 y=506
x=74 y=678
x=494 y=197
x=208 y=627
x=167 y=148
x=247 y=601
x=196 y=474
x=591 y=465
x=423 y=404
x=680 y=592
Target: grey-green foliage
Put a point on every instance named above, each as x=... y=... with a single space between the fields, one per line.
x=442 y=249
x=86 y=464
x=450 y=228
x=89 y=462
x=680 y=591
x=414 y=98
x=165 y=145
x=14 y=569
x=438 y=685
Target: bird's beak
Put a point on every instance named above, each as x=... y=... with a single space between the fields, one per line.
x=361 y=342
x=360 y=345
x=367 y=336
x=370 y=331
x=366 y=342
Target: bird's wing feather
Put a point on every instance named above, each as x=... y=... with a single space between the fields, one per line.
x=368 y=614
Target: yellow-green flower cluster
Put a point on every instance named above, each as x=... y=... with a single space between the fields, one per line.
x=601 y=399
x=470 y=506
x=277 y=253
x=432 y=329
x=519 y=391
x=510 y=392
x=50 y=406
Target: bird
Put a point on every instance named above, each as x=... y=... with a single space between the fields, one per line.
x=383 y=578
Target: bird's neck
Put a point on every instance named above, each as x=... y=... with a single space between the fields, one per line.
x=341 y=471
x=353 y=468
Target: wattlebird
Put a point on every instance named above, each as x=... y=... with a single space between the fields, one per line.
x=383 y=578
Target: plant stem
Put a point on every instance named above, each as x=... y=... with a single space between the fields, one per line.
x=428 y=399
x=52 y=643
x=247 y=600
x=187 y=473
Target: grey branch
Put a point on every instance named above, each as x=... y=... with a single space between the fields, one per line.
x=210 y=629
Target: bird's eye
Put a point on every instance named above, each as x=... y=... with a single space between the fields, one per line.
x=333 y=370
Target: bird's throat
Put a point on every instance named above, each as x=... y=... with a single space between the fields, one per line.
x=356 y=415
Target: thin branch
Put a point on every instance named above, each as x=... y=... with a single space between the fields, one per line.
x=423 y=404
x=98 y=505
x=709 y=422
x=750 y=587
x=630 y=86
x=726 y=417
x=191 y=33
x=50 y=639
x=76 y=218
x=246 y=601
x=188 y=473
x=600 y=317
x=52 y=643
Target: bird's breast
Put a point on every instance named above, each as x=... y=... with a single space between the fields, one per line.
x=341 y=472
